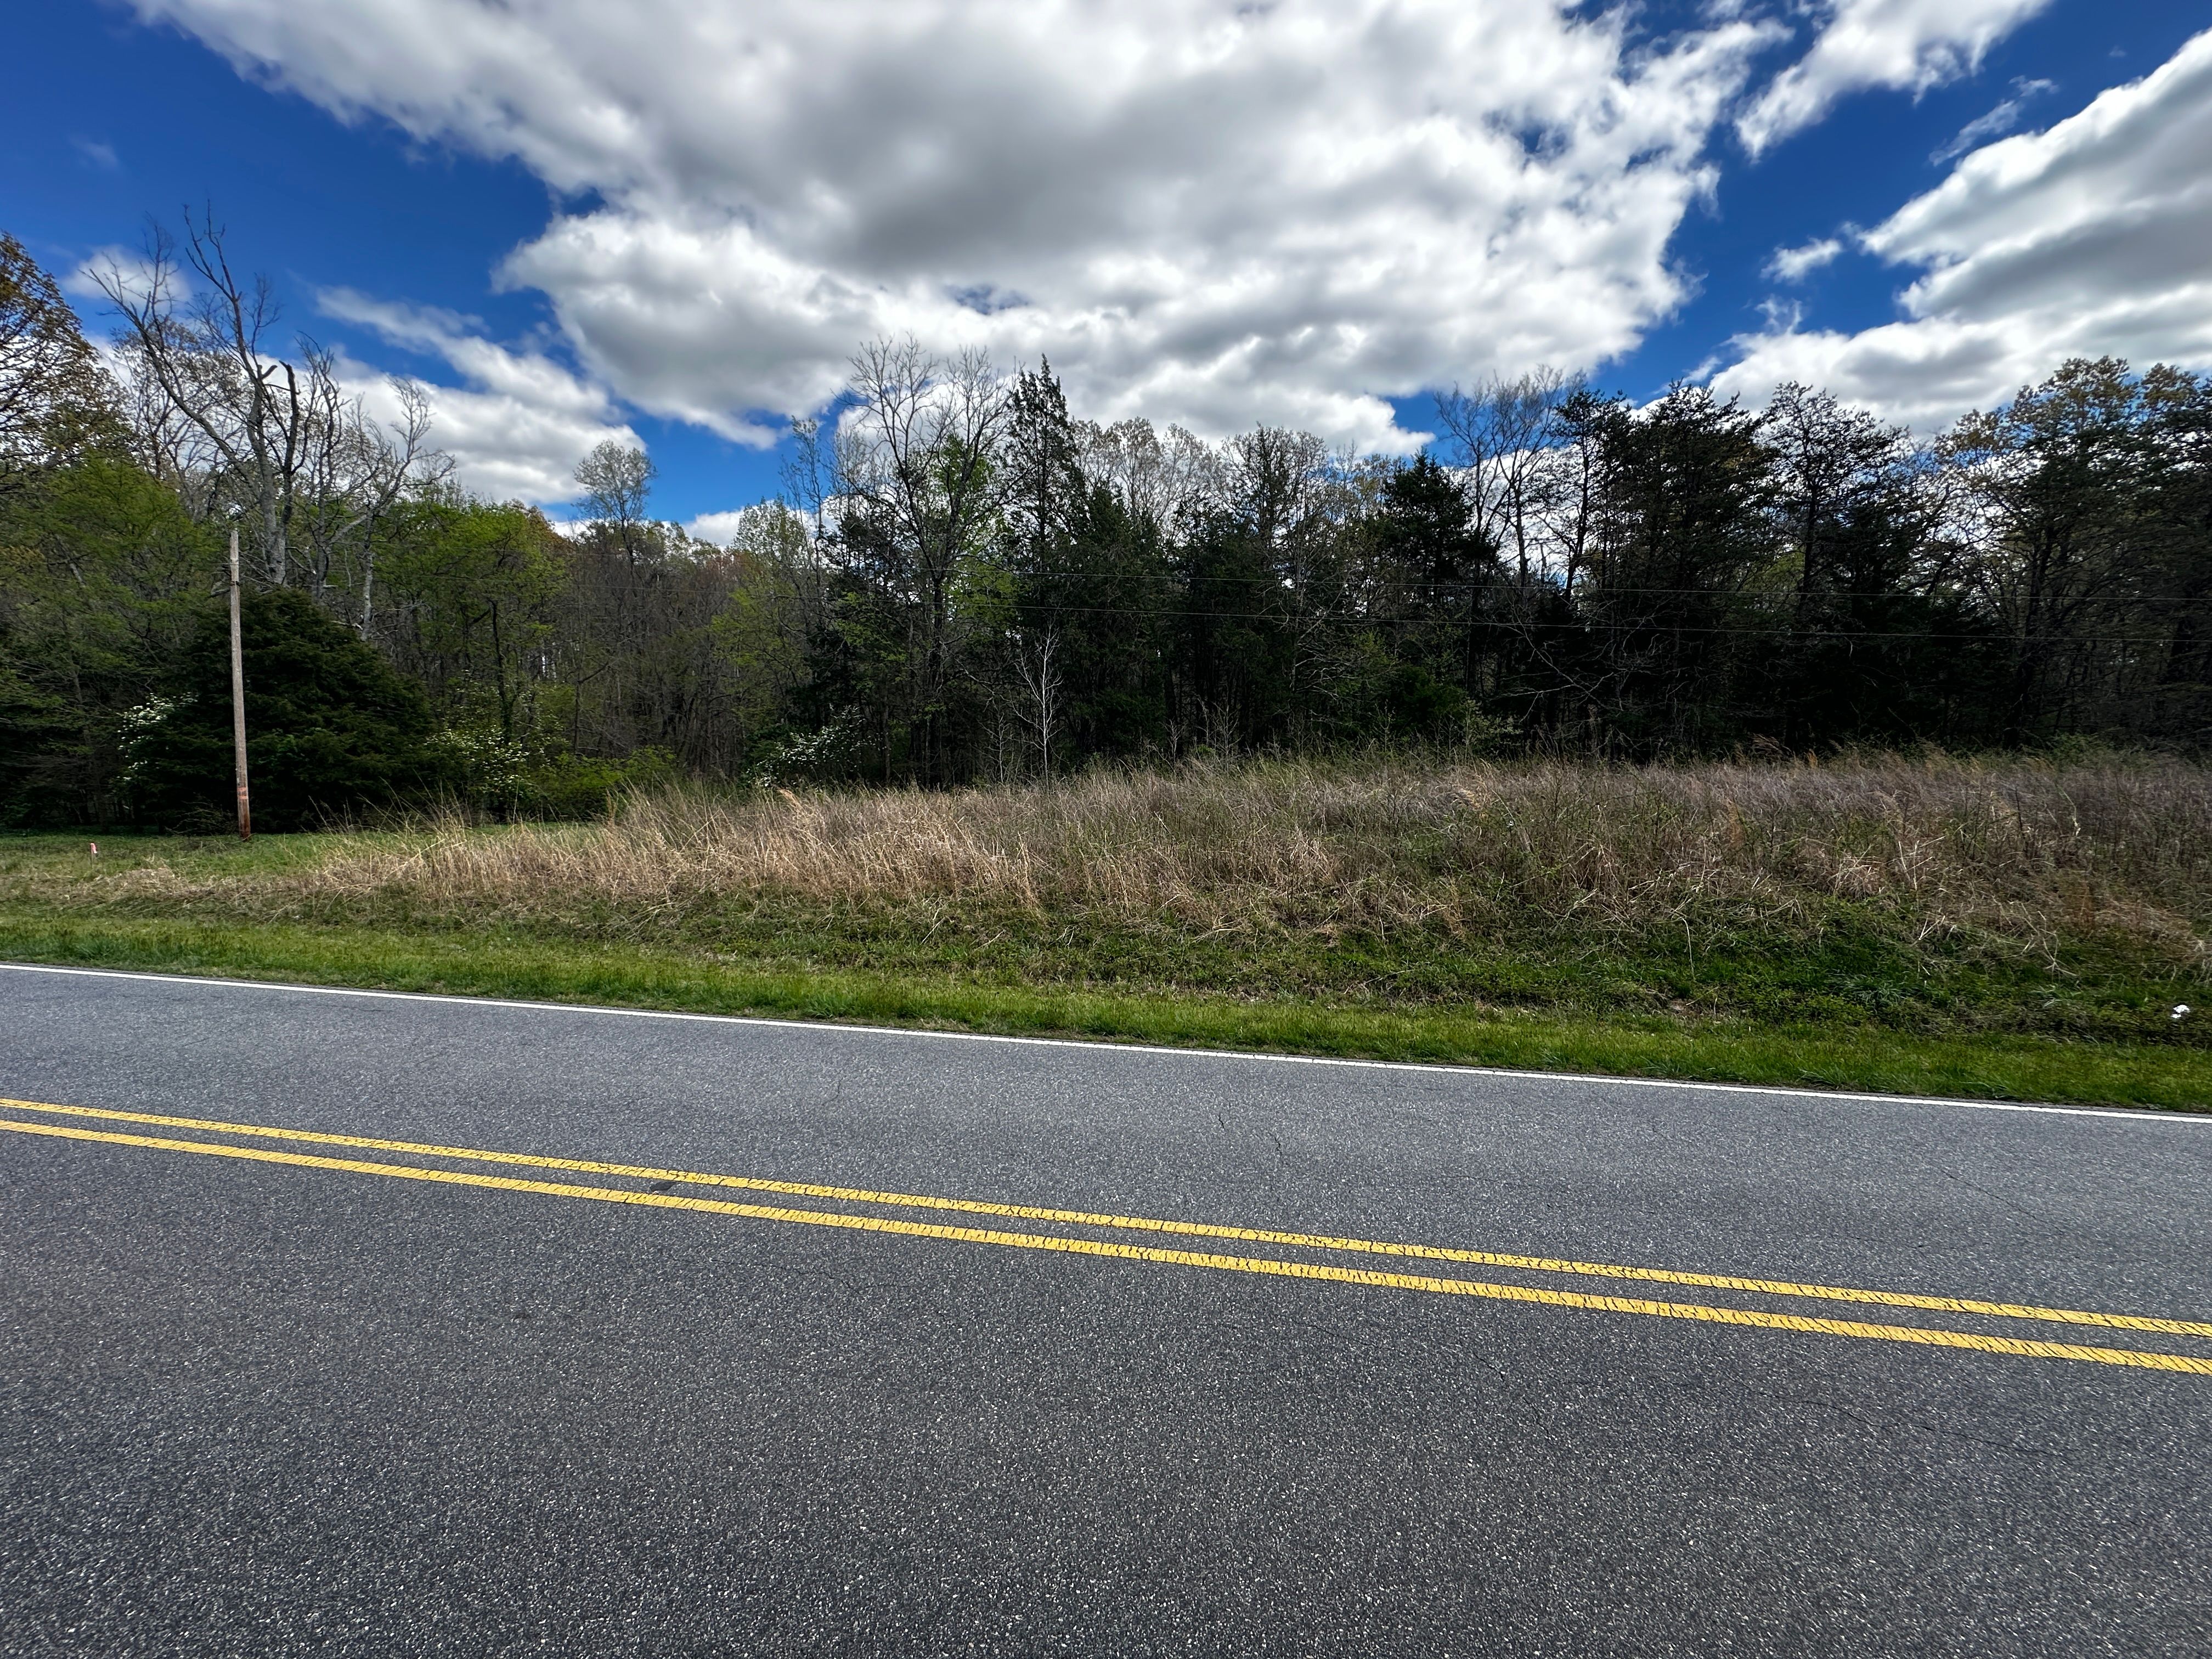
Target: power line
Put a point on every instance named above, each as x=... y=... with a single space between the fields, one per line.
x=1581 y=626
x=1560 y=589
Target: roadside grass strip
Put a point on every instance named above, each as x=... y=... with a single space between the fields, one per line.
x=1583 y=1301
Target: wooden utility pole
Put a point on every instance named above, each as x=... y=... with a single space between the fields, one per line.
x=238 y=696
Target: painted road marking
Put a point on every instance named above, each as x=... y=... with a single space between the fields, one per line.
x=1150 y=1224
x=1609 y=1079
x=1702 y=1313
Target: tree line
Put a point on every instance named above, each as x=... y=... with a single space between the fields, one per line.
x=961 y=581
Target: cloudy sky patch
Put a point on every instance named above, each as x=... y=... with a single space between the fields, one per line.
x=674 y=222
x=2091 y=239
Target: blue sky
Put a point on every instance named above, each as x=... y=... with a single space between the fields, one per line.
x=683 y=260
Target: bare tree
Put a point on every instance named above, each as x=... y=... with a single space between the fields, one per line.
x=914 y=485
x=1506 y=430
x=1168 y=479
x=1582 y=425
x=813 y=473
x=219 y=412
x=205 y=348
x=1037 y=665
x=358 y=470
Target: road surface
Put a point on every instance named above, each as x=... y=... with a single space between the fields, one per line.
x=978 y=1347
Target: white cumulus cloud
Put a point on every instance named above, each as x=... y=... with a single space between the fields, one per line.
x=1795 y=264
x=1209 y=211
x=719 y=528
x=516 y=428
x=2092 y=238
x=1897 y=45
x=131 y=267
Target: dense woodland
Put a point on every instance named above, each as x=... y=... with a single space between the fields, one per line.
x=963 y=582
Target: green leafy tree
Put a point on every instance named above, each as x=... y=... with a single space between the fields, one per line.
x=469 y=592
x=102 y=575
x=56 y=402
x=2086 y=523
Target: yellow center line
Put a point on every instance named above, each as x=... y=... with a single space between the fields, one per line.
x=1923 y=1335
x=1146 y=1223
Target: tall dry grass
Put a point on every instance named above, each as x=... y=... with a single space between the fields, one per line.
x=2026 y=849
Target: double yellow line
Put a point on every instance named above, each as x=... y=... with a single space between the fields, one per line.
x=1704 y=1312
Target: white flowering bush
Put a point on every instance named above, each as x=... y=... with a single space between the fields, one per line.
x=135 y=733
x=811 y=756
x=487 y=770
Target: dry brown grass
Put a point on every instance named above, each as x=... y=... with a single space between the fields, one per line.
x=2024 y=849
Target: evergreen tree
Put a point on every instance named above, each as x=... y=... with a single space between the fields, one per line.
x=330 y=728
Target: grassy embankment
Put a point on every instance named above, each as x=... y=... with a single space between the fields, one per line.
x=2014 y=929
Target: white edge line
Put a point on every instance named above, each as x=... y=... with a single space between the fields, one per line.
x=2174 y=1116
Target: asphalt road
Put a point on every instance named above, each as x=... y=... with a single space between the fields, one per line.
x=255 y=1406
